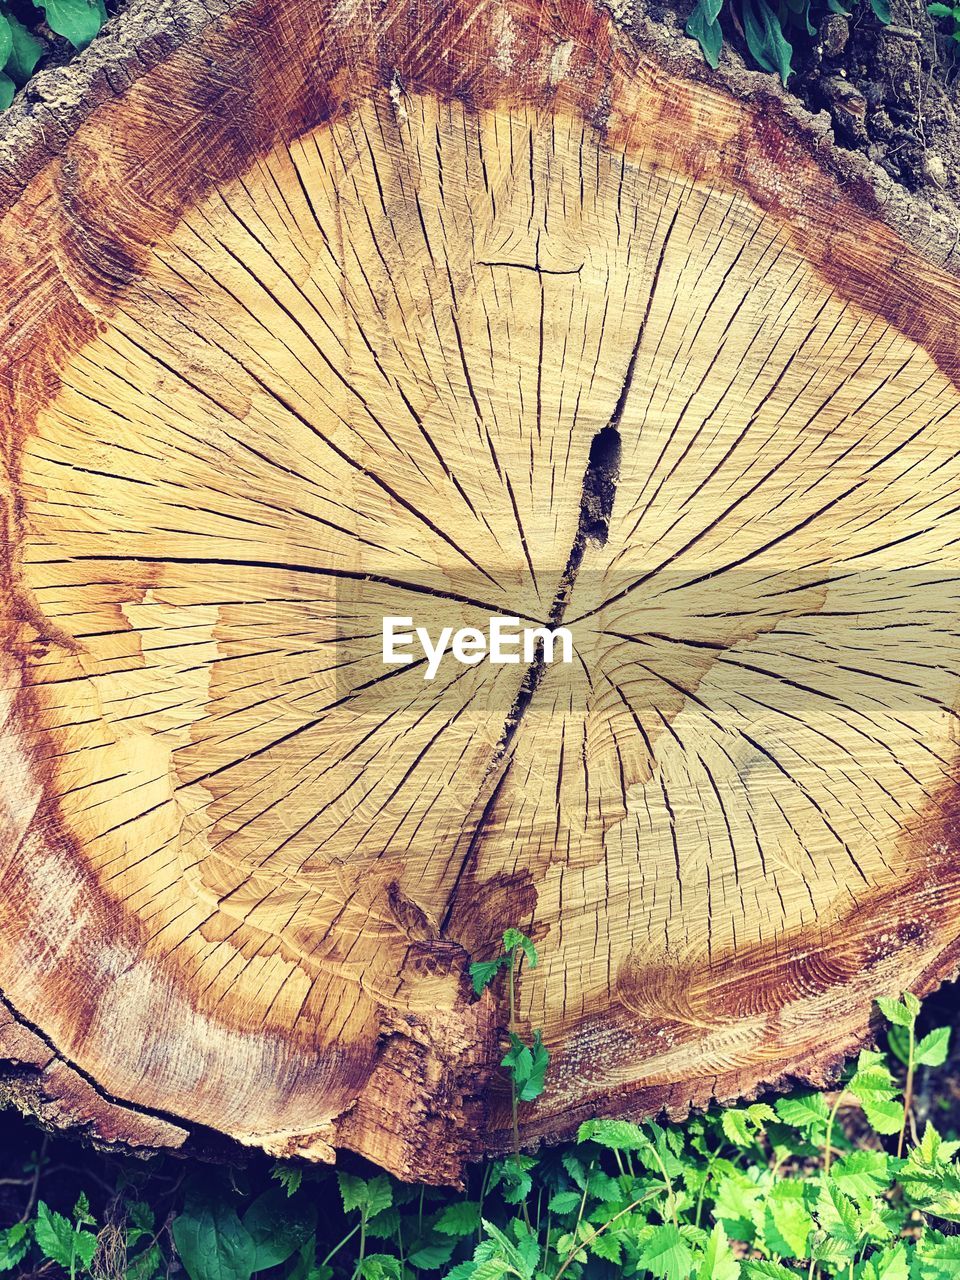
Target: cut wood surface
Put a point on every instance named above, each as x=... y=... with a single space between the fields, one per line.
x=318 y=313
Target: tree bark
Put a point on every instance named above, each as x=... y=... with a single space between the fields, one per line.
x=323 y=313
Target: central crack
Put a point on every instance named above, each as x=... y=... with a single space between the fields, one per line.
x=596 y=505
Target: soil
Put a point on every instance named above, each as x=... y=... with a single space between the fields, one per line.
x=892 y=92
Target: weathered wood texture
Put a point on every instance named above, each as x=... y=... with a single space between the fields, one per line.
x=315 y=312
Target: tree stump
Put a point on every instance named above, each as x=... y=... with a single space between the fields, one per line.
x=321 y=314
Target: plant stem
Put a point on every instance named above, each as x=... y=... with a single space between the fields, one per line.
x=908 y=1087
x=668 y=1184
x=363 y=1246
x=337 y=1247
x=514 y=1100
x=828 y=1153
x=599 y=1231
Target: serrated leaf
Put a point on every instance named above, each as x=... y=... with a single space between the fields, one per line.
x=606 y=1246
x=459 y=1219
x=369 y=1197
x=718 y=1260
x=937 y=1257
x=483 y=972
x=803 y=1111
x=862 y=1174
x=787 y=1223
x=14 y=1243
x=888 y=1264
x=735 y=1128
x=379 y=1266
x=431 y=1254
x=513 y=938
x=932 y=1049
x=895 y=1011
x=666 y=1254
x=619 y=1135
x=565 y=1202
x=884 y=1115
x=751 y=1269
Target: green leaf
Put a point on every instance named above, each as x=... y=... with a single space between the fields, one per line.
x=459 y=1219
x=937 y=1257
x=277 y=1227
x=14 y=1243
x=889 y=1264
x=483 y=972
x=26 y=51
x=667 y=1254
x=212 y=1242
x=898 y=1042
x=932 y=1050
x=765 y=38
x=536 y=1081
x=881 y=10
x=55 y=1236
x=7 y=90
x=940 y=10
x=738 y=1205
x=736 y=1129
x=565 y=1202
x=706 y=30
x=6 y=39
x=787 y=1222
x=803 y=1111
x=607 y=1246
x=289 y=1177
x=513 y=938
x=77 y=20
x=718 y=1260
x=896 y=1012
x=379 y=1266
x=430 y=1254
x=862 y=1174
x=885 y=1116
x=753 y=1270
x=370 y=1198
x=620 y=1135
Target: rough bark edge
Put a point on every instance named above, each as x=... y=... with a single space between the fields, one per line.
x=53 y=105
x=934 y=233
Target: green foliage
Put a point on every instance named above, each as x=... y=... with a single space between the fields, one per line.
x=763 y=1191
x=952 y=14
x=770 y=29
x=215 y=1244
x=21 y=48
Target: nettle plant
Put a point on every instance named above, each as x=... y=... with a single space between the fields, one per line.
x=951 y=12
x=812 y=1185
x=22 y=46
x=769 y=30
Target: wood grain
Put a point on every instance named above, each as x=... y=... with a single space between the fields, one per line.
x=453 y=313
